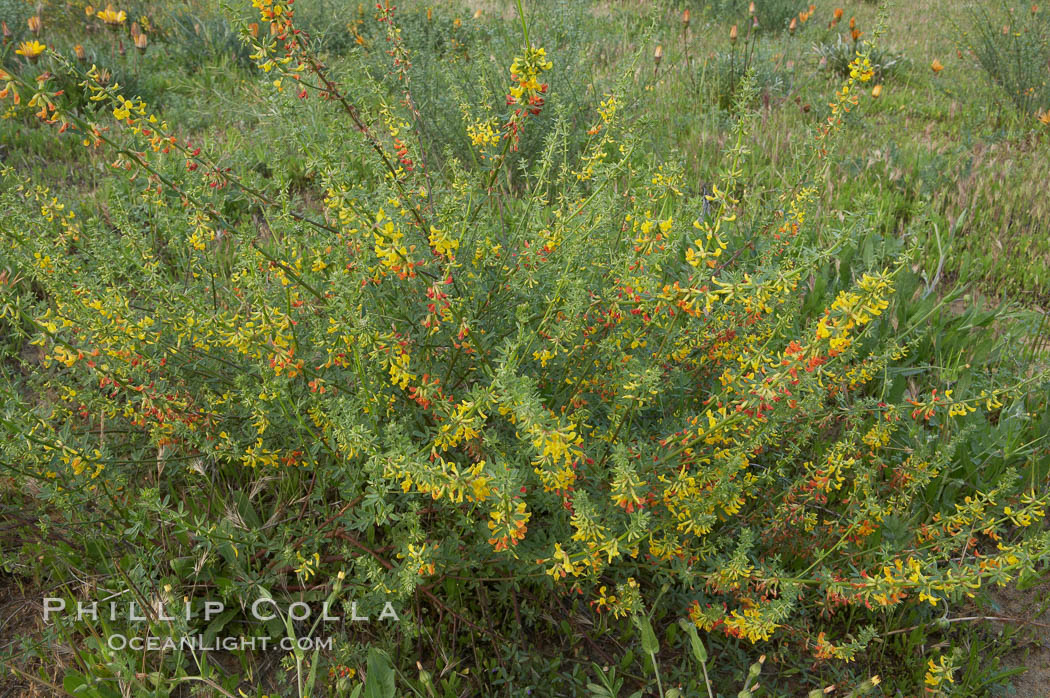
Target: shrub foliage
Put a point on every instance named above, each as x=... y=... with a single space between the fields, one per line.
x=370 y=371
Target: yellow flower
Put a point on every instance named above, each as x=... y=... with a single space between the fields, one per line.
x=936 y=66
x=112 y=17
x=876 y=91
x=1044 y=118
x=30 y=49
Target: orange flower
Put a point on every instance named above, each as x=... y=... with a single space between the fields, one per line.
x=936 y=66
x=837 y=16
x=793 y=24
x=78 y=51
x=685 y=18
x=856 y=34
x=732 y=35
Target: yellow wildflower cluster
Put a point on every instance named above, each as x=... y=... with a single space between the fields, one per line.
x=420 y=558
x=442 y=243
x=507 y=524
x=484 y=133
x=853 y=309
x=392 y=253
x=939 y=672
x=525 y=71
x=558 y=450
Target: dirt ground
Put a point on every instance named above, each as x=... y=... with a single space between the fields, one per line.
x=1032 y=605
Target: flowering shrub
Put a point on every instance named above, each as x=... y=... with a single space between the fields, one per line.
x=595 y=386
x=1011 y=41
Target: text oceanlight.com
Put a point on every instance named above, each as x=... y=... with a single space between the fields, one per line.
x=200 y=643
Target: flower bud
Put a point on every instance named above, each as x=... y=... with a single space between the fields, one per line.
x=732 y=35
x=658 y=54
x=78 y=51
x=5 y=30
x=876 y=91
x=793 y=24
x=35 y=25
x=751 y=9
x=140 y=42
x=685 y=18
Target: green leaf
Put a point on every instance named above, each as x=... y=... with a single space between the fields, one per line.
x=247 y=511
x=217 y=624
x=697 y=645
x=75 y=683
x=649 y=642
x=380 y=680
